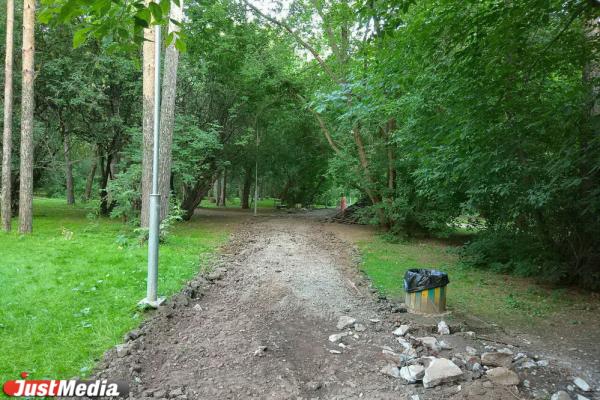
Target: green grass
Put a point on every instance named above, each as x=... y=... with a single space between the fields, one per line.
x=69 y=290
x=495 y=297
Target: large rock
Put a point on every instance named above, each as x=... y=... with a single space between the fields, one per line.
x=344 y=321
x=496 y=359
x=401 y=330
x=581 y=384
x=440 y=370
x=503 y=376
x=391 y=370
x=412 y=373
x=562 y=395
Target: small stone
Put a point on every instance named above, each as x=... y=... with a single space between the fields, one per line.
x=430 y=342
x=440 y=370
x=335 y=352
x=503 y=376
x=527 y=364
x=562 y=395
x=216 y=275
x=496 y=359
x=412 y=373
x=336 y=337
x=401 y=330
x=519 y=356
x=344 y=321
x=581 y=384
x=410 y=353
x=526 y=383
x=542 y=363
x=197 y=307
x=471 y=351
x=374 y=320
x=404 y=343
x=443 y=328
x=134 y=334
x=160 y=393
x=415 y=397
x=313 y=386
x=391 y=370
x=444 y=346
x=260 y=351
x=580 y=397
x=176 y=392
x=360 y=328
x=122 y=350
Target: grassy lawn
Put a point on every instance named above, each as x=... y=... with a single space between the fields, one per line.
x=494 y=297
x=69 y=290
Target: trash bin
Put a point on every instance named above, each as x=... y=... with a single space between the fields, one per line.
x=425 y=290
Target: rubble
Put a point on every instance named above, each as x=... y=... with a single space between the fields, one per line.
x=391 y=370
x=581 y=384
x=440 y=370
x=443 y=328
x=412 y=373
x=336 y=337
x=503 y=376
x=401 y=330
x=561 y=395
x=344 y=322
x=497 y=359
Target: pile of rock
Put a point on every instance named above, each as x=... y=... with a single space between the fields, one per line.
x=420 y=361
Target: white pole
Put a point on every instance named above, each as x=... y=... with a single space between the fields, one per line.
x=154 y=224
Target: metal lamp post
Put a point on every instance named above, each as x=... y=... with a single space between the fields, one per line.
x=152 y=300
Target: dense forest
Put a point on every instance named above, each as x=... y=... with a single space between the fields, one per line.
x=439 y=114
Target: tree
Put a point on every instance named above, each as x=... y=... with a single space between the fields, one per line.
x=27 y=109
x=167 y=112
x=6 y=198
x=147 y=120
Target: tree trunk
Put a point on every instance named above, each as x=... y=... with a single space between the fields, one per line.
x=8 y=104
x=246 y=189
x=223 y=190
x=192 y=196
x=147 y=121
x=105 y=206
x=90 y=180
x=218 y=191
x=27 y=108
x=68 y=166
x=167 y=113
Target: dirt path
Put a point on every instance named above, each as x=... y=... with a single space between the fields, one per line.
x=260 y=329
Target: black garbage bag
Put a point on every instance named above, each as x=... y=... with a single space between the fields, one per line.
x=418 y=279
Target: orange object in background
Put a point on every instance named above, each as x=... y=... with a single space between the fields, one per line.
x=343 y=204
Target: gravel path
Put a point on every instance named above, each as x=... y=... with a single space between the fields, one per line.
x=258 y=328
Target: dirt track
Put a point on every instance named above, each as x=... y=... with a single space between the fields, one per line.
x=260 y=331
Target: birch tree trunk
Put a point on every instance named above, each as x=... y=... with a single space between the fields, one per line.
x=167 y=113
x=27 y=108
x=8 y=104
x=147 y=121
